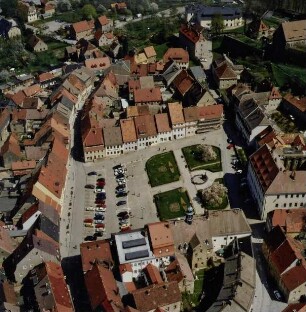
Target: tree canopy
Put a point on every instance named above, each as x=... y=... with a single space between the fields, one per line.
x=217 y=24
x=89 y=11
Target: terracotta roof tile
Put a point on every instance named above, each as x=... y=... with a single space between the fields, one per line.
x=162 y=123
x=103 y=20
x=45 y=77
x=225 y=72
x=210 y=111
x=161 y=239
x=95 y=251
x=183 y=82
x=145 y=126
x=153 y=274
x=147 y=95
x=149 y=51
x=100 y=63
x=191 y=113
x=300 y=104
x=295 y=30
x=82 y=26
x=128 y=130
x=294 y=277
x=176 y=113
x=178 y=54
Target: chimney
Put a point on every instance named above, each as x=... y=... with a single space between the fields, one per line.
x=292 y=175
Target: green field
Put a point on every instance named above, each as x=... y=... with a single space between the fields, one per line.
x=194 y=162
x=172 y=204
x=162 y=169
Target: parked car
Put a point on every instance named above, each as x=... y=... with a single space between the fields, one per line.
x=124 y=222
x=89 y=186
x=121 y=203
x=92 y=173
x=99 y=201
x=88 y=220
x=239 y=171
x=90 y=208
x=117 y=173
x=101 y=196
x=230 y=141
x=100 y=184
x=90 y=238
x=98 y=221
x=101 y=205
x=230 y=146
x=100 y=209
x=88 y=224
x=98 y=234
x=120 y=186
x=99 y=190
x=124 y=227
x=122 y=214
x=99 y=217
x=101 y=180
x=121 y=183
x=99 y=213
x=100 y=226
x=121 y=180
x=122 y=194
x=122 y=190
x=120 y=176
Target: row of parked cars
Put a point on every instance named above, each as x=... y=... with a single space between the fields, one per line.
x=121 y=191
x=98 y=208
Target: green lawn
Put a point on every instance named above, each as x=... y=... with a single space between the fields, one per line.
x=191 y=155
x=162 y=169
x=216 y=45
x=271 y=22
x=283 y=73
x=172 y=204
x=160 y=50
x=193 y=300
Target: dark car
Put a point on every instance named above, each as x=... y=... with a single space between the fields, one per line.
x=100 y=195
x=101 y=180
x=100 y=184
x=99 y=217
x=121 y=194
x=117 y=167
x=98 y=234
x=119 y=187
x=90 y=238
x=121 y=202
x=230 y=141
x=122 y=214
x=89 y=186
x=92 y=173
x=120 y=176
x=99 y=201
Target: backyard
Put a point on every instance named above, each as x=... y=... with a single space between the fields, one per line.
x=285 y=124
x=192 y=300
x=172 y=204
x=162 y=169
x=194 y=162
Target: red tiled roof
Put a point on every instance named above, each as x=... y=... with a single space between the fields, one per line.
x=82 y=26
x=93 y=137
x=225 y=72
x=128 y=130
x=264 y=166
x=190 y=33
x=178 y=54
x=98 y=63
x=103 y=20
x=11 y=145
x=23 y=165
x=45 y=77
x=145 y=126
x=161 y=239
x=294 y=277
x=133 y=84
x=183 y=82
x=176 y=113
x=147 y=95
x=275 y=94
x=300 y=104
x=210 y=111
x=162 y=123
x=191 y=113
x=59 y=287
x=95 y=251
x=295 y=307
x=153 y=274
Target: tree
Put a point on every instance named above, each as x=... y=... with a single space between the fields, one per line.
x=89 y=11
x=217 y=24
x=64 y=5
x=9 y=8
x=154 y=7
x=206 y=153
x=213 y=195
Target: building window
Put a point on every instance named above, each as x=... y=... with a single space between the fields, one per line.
x=276 y=205
x=285 y=205
x=286 y=196
x=290 y=204
x=291 y=195
x=297 y=195
x=295 y=204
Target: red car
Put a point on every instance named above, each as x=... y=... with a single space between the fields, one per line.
x=101 y=184
x=97 y=226
x=88 y=220
x=101 y=205
x=127 y=228
x=230 y=146
x=100 y=201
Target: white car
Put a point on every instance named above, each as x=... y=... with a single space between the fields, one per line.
x=277 y=295
x=118 y=172
x=98 y=221
x=121 y=180
x=101 y=209
x=90 y=208
x=99 y=213
x=99 y=190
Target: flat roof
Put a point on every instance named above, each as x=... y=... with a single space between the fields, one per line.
x=133 y=246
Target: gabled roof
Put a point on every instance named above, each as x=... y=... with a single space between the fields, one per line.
x=162 y=123
x=103 y=20
x=154 y=296
x=33 y=41
x=210 y=111
x=191 y=113
x=145 y=126
x=294 y=31
x=83 y=26
x=11 y=145
x=45 y=77
x=183 y=82
x=176 y=113
x=299 y=103
x=147 y=95
x=191 y=32
x=225 y=72
x=264 y=166
x=149 y=51
x=100 y=63
x=153 y=274
x=178 y=54
x=128 y=130
x=295 y=307
x=95 y=251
